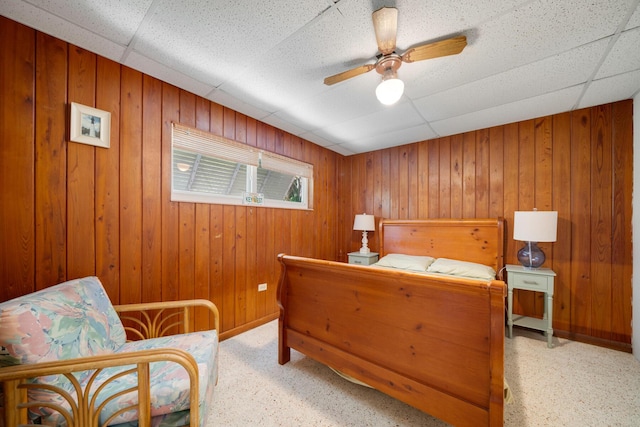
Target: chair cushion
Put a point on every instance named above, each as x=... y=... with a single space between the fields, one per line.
x=69 y=320
x=65 y=321
x=169 y=382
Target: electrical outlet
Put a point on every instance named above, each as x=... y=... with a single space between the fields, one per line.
x=262 y=287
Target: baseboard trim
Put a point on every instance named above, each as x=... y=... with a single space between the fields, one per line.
x=600 y=342
x=247 y=326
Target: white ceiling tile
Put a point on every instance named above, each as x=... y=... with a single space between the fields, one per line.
x=537 y=78
x=220 y=39
x=114 y=20
x=390 y=139
x=611 y=89
x=534 y=31
x=340 y=150
x=61 y=28
x=164 y=73
x=237 y=104
x=634 y=21
x=392 y=118
x=339 y=103
x=539 y=106
x=619 y=61
x=435 y=20
x=277 y=122
x=285 y=80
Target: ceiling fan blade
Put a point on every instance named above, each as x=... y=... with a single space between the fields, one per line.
x=385 y=24
x=337 y=78
x=446 y=47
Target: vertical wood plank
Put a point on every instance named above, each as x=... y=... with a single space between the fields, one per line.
x=394 y=171
x=414 y=176
x=202 y=232
x=187 y=214
x=468 y=207
x=423 y=180
x=510 y=195
x=240 y=300
x=131 y=187
x=496 y=175
x=376 y=162
x=228 y=267
x=385 y=170
x=17 y=159
x=561 y=261
x=51 y=166
x=107 y=203
x=482 y=174
x=601 y=208
x=581 y=220
x=455 y=182
x=622 y=135
x=216 y=225
x=151 y=190
x=81 y=171
x=434 y=178
x=446 y=178
x=403 y=182
x=170 y=211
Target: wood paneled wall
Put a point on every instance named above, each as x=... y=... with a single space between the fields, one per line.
x=578 y=163
x=69 y=210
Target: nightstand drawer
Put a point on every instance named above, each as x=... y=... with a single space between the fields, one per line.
x=363 y=259
x=529 y=281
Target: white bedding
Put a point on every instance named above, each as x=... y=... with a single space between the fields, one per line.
x=437 y=266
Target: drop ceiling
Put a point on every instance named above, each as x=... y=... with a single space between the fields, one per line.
x=268 y=59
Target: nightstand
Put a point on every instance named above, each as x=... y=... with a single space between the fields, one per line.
x=363 y=259
x=538 y=280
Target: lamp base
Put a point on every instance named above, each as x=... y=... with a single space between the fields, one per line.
x=531 y=256
x=365 y=247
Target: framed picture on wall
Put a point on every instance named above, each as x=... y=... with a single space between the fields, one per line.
x=89 y=125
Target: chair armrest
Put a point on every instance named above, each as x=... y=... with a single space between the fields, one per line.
x=166 y=316
x=15 y=385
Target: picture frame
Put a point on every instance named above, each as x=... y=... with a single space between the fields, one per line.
x=90 y=125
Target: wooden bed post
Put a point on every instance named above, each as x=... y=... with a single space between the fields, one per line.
x=497 y=292
x=284 y=351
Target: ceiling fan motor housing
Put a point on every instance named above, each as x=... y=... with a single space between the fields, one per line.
x=388 y=65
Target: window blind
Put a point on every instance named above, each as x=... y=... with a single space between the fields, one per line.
x=208 y=144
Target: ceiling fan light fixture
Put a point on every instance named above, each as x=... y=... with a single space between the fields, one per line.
x=390 y=88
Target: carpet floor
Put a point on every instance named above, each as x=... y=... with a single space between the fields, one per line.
x=573 y=384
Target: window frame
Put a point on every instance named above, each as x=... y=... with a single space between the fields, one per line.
x=204 y=143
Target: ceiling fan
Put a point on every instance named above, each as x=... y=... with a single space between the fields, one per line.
x=385 y=24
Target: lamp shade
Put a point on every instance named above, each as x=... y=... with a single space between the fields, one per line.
x=535 y=226
x=364 y=222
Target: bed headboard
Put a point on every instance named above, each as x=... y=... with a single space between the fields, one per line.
x=474 y=240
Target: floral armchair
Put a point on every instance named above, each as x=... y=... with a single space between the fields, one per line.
x=65 y=360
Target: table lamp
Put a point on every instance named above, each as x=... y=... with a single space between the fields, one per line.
x=532 y=227
x=364 y=223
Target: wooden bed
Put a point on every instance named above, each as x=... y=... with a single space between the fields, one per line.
x=436 y=343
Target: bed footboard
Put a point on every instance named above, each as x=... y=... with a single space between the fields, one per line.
x=434 y=343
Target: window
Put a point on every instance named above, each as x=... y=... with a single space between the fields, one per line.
x=207 y=168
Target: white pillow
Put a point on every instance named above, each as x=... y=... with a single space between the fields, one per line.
x=406 y=262
x=462 y=268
